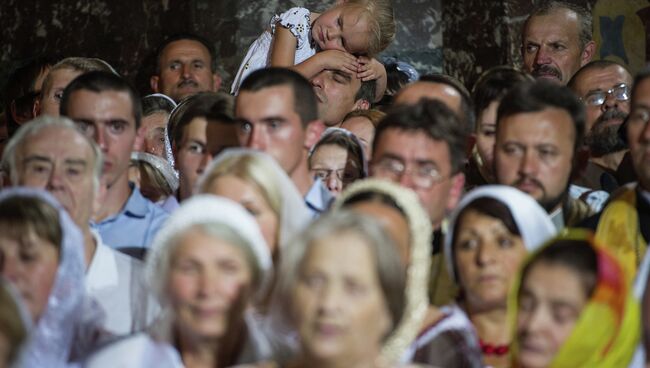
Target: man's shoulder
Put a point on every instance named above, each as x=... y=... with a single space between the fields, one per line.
x=138 y=205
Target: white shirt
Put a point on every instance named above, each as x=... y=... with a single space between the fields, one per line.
x=115 y=281
x=137 y=351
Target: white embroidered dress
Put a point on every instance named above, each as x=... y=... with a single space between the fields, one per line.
x=298 y=22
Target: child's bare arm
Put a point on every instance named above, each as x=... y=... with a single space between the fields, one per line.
x=283 y=51
x=370 y=69
x=328 y=59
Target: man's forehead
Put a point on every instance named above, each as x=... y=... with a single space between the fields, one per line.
x=392 y=141
x=557 y=25
x=549 y=122
x=62 y=141
x=603 y=78
x=274 y=100
x=107 y=104
x=185 y=47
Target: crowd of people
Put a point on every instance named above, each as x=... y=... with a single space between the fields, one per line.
x=335 y=209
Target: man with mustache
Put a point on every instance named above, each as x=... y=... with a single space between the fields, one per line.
x=540 y=126
x=557 y=40
x=604 y=88
x=185 y=65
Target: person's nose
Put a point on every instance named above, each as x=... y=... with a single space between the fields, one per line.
x=101 y=138
x=257 y=138
x=529 y=163
x=56 y=179
x=542 y=56
x=333 y=183
x=329 y=299
x=484 y=253
x=205 y=161
x=406 y=180
x=10 y=269
x=186 y=70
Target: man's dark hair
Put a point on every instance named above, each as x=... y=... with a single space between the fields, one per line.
x=20 y=90
x=527 y=97
x=212 y=106
x=99 y=81
x=189 y=37
x=596 y=64
x=304 y=97
x=465 y=99
x=494 y=84
x=585 y=20
x=433 y=118
x=366 y=91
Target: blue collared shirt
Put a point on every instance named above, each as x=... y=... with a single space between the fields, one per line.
x=318 y=198
x=135 y=225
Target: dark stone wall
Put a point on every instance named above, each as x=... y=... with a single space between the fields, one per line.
x=476 y=34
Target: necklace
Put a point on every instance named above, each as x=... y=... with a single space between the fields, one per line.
x=489 y=349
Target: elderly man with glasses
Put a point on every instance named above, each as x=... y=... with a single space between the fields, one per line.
x=604 y=88
x=422 y=147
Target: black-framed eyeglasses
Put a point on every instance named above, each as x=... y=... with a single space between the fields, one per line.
x=423 y=176
x=620 y=92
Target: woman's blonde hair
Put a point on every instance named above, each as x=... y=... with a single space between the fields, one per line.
x=252 y=169
x=12 y=323
x=381 y=22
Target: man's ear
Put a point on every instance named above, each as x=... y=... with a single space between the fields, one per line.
x=313 y=132
x=361 y=104
x=216 y=80
x=153 y=83
x=587 y=53
x=138 y=142
x=456 y=190
x=36 y=108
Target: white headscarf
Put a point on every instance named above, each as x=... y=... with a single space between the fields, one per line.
x=51 y=339
x=163 y=167
x=294 y=215
x=533 y=222
x=417 y=273
x=205 y=209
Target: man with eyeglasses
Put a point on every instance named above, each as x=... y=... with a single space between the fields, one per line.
x=107 y=109
x=422 y=147
x=604 y=88
x=624 y=224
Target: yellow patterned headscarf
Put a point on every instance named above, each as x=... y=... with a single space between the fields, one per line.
x=608 y=329
x=618 y=229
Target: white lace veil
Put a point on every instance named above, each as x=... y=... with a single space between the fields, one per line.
x=294 y=215
x=417 y=300
x=532 y=220
x=51 y=339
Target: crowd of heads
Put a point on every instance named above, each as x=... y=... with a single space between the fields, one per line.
x=307 y=221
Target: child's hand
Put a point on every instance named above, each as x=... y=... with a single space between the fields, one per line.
x=370 y=69
x=338 y=60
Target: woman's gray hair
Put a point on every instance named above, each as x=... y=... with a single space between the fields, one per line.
x=390 y=270
x=9 y=159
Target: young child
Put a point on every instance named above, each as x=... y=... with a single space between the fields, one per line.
x=345 y=37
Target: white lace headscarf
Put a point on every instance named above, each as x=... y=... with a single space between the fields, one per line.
x=419 y=267
x=293 y=215
x=51 y=338
x=533 y=222
x=204 y=209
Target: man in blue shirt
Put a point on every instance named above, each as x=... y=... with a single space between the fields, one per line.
x=107 y=109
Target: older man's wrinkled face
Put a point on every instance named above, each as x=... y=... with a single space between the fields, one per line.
x=638 y=132
x=605 y=93
x=551 y=46
x=336 y=93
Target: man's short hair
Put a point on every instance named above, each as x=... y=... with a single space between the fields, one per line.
x=100 y=81
x=433 y=118
x=189 y=37
x=212 y=106
x=527 y=97
x=585 y=20
x=465 y=99
x=596 y=64
x=493 y=84
x=304 y=97
x=9 y=159
x=366 y=91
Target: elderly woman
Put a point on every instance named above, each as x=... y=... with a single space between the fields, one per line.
x=205 y=266
x=362 y=123
x=41 y=251
x=338 y=159
x=490 y=233
x=342 y=309
x=573 y=307
x=156 y=109
x=155 y=178
x=258 y=183
x=443 y=336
